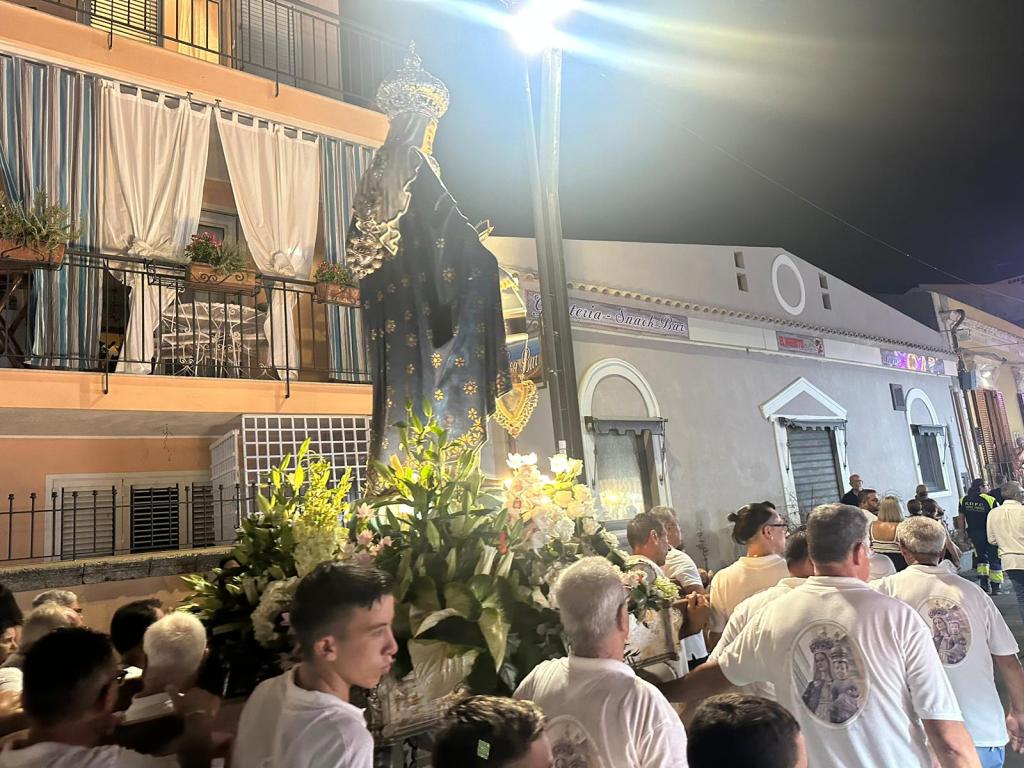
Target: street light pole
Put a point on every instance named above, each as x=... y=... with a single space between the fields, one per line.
x=556 y=331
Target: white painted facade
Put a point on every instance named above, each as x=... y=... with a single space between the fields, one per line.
x=731 y=386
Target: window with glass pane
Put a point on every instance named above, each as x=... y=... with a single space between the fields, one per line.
x=620 y=477
x=926 y=439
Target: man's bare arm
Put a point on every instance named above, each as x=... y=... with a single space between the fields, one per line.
x=706 y=680
x=951 y=743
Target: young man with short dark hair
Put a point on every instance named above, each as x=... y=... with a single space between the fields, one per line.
x=744 y=732
x=341 y=615
x=71 y=678
x=493 y=732
x=128 y=626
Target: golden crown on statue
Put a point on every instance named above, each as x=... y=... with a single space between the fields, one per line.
x=412 y=89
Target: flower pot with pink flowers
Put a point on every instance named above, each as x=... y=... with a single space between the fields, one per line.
x=218 y=267
x=336 y=284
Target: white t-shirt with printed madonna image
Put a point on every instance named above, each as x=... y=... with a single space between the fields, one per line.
x=856 y=668
x=599 y=714
x=735 y=583
x=744 y=612
x=967 y=630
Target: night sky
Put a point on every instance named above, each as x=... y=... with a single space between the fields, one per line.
x=903 y=117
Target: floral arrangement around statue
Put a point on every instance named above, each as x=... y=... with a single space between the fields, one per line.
x=473 y=562
x=244 y=602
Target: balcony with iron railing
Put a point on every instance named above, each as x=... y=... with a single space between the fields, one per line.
x=293 y=42
x=268 y=328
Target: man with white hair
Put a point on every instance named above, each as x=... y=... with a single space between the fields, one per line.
x=41 y=621
x=64 y=597
x=1006 y=531
x=856 y=668
x=969 y=635
x=598 y=711
x=175 y=649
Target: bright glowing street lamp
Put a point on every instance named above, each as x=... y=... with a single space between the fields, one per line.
x=533 y=28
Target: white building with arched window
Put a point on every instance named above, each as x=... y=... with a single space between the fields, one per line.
x=713 y=376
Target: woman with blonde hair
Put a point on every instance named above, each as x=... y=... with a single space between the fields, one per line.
x=882 y=532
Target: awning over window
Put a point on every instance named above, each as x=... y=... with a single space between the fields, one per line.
x=927 y=429
x=626 y=426
x=822 y=423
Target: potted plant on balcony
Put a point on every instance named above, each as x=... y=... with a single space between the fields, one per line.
x=336 y=284
x=33 y=236
x=218 y=266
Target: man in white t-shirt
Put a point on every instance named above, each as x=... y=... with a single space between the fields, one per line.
x=341 y=615
x=759 y=528
x=71 y=678
x=599 y=713
x=681 y=568
x=857 y=668
x=969 y=635
x=800 y=568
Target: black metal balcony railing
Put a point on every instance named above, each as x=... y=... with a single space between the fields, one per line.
x=200 y=332
x=287 y=41
x=82 y=524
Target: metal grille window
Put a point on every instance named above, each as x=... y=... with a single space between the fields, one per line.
x=812 y=456
x=929 y=457
x=341 y=440
x=154 y=518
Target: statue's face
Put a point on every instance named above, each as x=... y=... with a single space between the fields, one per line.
x=841 y=669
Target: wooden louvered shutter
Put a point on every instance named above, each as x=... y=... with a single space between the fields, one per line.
x=154 y=522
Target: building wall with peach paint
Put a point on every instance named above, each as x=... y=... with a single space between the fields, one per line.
x=170 y=394
x=28 y=461
x=43 y=35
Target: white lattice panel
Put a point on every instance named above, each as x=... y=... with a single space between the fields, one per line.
x=341 y=440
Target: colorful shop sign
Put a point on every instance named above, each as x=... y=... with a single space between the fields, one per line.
x=912 y=361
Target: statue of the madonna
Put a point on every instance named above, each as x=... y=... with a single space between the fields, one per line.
x=429 y=288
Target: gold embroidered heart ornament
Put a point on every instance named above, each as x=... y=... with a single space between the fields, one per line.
x=514 y=409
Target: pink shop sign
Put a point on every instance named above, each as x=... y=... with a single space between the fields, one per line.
x=797 y=342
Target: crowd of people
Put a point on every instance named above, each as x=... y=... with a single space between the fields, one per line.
x=851 y=640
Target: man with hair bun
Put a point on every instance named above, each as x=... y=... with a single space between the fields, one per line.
x=800 y=568
x=759 y=528
x=969 y=635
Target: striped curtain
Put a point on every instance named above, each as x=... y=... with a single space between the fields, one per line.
x=342 y=166
x=47 y=141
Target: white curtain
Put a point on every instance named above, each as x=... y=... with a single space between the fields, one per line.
x=275 y=179
x=152 y=166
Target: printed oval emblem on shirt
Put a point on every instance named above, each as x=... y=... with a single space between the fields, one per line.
x=571 y=744
x=829 y=674
x=951 y=630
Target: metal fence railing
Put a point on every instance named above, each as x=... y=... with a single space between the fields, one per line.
x=287 y=41
x=104 y=521
x=272 y=328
